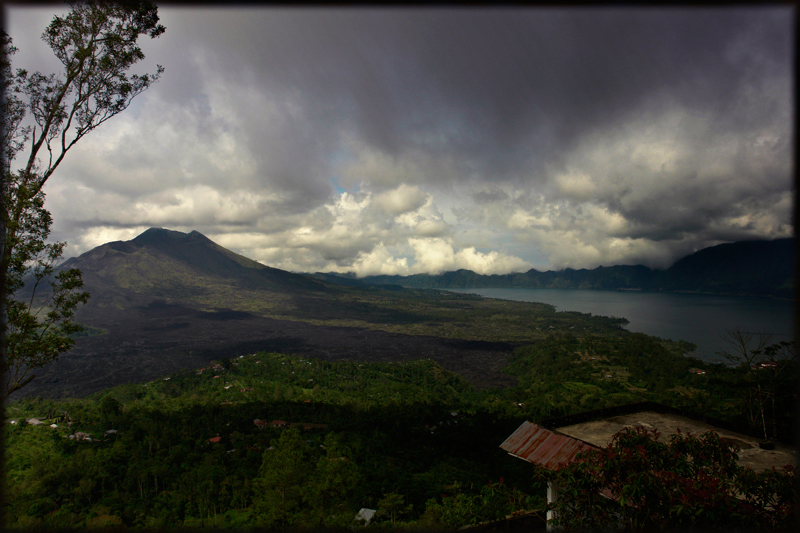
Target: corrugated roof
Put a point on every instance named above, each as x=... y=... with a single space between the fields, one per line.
x=543 y=447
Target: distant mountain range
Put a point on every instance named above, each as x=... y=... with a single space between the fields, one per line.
x=759 y=268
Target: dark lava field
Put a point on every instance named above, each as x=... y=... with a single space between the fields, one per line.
x=145 y=342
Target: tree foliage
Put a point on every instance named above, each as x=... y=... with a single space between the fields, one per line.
x=281 y=479
x=765 y=378
x=37 y=329
x=43 y=117
x=340 y=451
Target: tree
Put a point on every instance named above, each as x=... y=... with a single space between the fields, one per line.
x=779 y=391
x=280 y=483
x=335 y=477
x=764 y=372
x=393 y=506
x=690 y=482
x=43 y=117
x=37 y=329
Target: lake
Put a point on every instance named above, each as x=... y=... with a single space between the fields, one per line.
x=697 y=318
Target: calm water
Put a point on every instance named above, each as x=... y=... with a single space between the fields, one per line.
x=700 y=319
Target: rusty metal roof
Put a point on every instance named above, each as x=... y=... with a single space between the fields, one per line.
x=543 y=447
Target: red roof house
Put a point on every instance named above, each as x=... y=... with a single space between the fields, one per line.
x=545 y=448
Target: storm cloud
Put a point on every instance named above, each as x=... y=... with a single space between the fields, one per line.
x=405 y=140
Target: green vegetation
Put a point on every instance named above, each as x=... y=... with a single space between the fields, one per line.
x=284 y=441
x=412 y=436
x=565 y=373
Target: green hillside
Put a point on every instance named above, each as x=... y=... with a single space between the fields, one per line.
x=213 y=446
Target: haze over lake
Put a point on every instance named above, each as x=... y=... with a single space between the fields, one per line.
x=697 y=318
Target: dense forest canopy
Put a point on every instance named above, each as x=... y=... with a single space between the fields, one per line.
x=288 y=441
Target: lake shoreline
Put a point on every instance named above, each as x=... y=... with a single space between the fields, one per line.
x=698 y=318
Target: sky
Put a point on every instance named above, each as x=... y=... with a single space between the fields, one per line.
x=423 y=140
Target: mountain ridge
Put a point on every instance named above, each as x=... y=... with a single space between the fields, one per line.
x=174 y=264
x=751 y=268
x=755 y=267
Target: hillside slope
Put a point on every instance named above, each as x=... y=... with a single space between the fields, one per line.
x=168 y=301
x=167 y=263
x=749 y=267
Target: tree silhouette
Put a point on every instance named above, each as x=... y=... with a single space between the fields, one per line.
x=43 y=117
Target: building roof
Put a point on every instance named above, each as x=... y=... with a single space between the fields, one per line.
x=600 y=432
x=543 y=447
x=598 y=427
x=365 y=515
x=556 y=441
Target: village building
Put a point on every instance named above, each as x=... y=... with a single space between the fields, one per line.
x=365 y=515
x=554 y=443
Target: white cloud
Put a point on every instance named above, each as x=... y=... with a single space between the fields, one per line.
x=437 y=255
x=99 y=235
x=379 y=261
x=355 y=233
x=401 y=200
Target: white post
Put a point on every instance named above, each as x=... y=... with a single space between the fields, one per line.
x=552 y=497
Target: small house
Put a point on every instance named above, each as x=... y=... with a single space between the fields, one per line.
x=549 y=449
x=365 y=515
x=555 y=442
